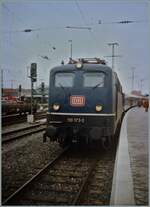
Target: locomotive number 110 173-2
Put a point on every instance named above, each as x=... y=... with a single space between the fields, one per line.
x=76 y=120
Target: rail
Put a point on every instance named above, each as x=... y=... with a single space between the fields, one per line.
x=16 y=118
x=66 y=180
x=29 y=182
x=19 y=133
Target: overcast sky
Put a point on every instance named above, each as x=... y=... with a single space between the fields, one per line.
x=49 y=19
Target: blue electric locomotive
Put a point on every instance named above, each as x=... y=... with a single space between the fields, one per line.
x=85 y=102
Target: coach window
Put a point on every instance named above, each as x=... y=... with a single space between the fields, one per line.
x=93 y=79
x=64 y=79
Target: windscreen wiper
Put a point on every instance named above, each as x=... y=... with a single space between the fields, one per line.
x=97 y=85
x=62 y=88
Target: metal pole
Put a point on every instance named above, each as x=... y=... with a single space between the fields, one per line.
x=19 y=92
x=70 y=48
x=31 y=96
x=113 y=52
x=132 y=78
x=33 y=76
x=43 y=97
x=11 y=84
x=141 y=84
x=113 y=56
x=42 y=93
x=2 y=81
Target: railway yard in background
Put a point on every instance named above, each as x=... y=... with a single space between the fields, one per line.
x=74 y=103
x=44 y=174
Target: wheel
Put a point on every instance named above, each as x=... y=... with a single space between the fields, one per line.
x=64 y=142
x=107 y=142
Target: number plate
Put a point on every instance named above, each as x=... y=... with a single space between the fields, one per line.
x=77 y=101
x=76 y=120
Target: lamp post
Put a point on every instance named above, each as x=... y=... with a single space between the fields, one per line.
x=141 y=85
x=113 y=44
x=70 y=48
x=132 y=78
x=2 y=85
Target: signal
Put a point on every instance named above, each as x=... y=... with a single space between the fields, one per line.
x=42 y=86
x=33 y=72
x=20 y=88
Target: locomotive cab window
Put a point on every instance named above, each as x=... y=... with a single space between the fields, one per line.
x=91 y=79
x=64 y=79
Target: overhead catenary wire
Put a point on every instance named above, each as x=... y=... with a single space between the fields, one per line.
x=84 y=20
x=12 y=13
x=122 y=22
x=78 y=27
x=6 y=8
x=81 y=13
x=28 y=30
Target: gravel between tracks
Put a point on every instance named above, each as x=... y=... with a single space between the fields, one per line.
x=22 y=159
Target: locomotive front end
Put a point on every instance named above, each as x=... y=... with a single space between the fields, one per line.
x=80 y=103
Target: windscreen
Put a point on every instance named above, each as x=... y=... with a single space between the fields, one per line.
x=64 y=79
x=93 y=79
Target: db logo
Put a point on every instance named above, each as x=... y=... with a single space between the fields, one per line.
x=77 y=101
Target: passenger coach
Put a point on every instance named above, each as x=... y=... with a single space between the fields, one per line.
x=85 y=102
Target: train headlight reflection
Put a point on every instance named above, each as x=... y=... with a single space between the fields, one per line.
x=98 y=108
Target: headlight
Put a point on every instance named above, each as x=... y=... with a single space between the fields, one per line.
x=79 y=65
x=56 y=107
x=98 y=108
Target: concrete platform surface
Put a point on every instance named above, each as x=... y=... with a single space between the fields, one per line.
x=137 y=133
x=130 y=181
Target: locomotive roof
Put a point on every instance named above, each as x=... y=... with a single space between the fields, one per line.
x=86 y=66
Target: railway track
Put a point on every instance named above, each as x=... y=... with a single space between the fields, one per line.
x=19 y=133
x=74 y=177
x=17 y=118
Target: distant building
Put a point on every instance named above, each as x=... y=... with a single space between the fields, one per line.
x=15 y=92
x=10 y=92
x=137 y=93
x=39 y=96
x=135 y=97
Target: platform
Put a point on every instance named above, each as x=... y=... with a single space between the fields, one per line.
x=130 y=180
